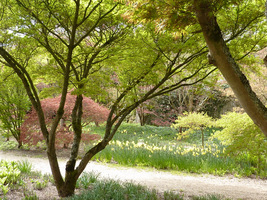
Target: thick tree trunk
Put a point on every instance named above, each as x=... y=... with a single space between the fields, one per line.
x=227 y=65
x=68 y=188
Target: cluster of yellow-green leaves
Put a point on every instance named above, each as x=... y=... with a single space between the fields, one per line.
x=9 y=174
x=235 y=130
x=242 y=135
x=193 y=122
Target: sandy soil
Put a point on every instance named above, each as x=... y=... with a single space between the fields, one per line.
x=187 y=184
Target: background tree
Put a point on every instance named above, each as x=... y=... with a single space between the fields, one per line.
x=193 y=122
x=14 y=103
x=208 y=97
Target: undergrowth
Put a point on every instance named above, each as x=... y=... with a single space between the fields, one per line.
x=96 y=189
x=158 y=147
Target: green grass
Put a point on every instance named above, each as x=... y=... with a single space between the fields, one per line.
x=86 y=179
x=133 y=132
x=209 y=197
x=157 y=147
x=110 y=189
x=115 y=190
x=24 y=166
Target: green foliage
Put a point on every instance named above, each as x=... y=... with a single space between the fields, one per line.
x=174 y=157
x=86 y=180
x=9 y=175
x=193 y=122
x=243 y=137
x=209 y=197
x=30 y=195
x=149 y=146
x=24 y=166
x=19 y=176
x=9 y=170
x=40 y=184
x=8 y=145
x=14 y=103
x=110 y=189
x=171 y=196
x=3 y=186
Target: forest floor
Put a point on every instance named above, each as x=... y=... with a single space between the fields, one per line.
x=185 y=184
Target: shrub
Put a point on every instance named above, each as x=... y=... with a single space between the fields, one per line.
x=243 y=137
x=193 y=122
x=93 y=112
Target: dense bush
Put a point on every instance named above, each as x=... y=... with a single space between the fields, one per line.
x=93 y=112
x=243 y=138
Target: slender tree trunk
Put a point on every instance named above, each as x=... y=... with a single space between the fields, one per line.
x=190 y=102
x=19 y=144
x=227 y=65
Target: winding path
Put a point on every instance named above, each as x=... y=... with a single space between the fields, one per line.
x=230 y=187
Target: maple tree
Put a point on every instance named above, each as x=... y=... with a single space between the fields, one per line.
x=93 y=112
x=193 y=122
x=225 y=53
x=229 y=67
x=67 y=40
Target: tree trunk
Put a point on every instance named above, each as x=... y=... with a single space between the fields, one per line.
x=141 y=115
x=227 y=65
x=19 y=144
x=68 y=188
x=190 y=102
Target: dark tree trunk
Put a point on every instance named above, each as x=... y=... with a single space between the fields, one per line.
x=227 y=65
x=19 y=144
x=68 y=188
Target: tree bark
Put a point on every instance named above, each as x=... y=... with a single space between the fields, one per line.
x=227 y=65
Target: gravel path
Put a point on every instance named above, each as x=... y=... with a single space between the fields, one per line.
x=230 y=187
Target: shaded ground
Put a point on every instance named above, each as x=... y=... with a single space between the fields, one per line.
x=189 y=185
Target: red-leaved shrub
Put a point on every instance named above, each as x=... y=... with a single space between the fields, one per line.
x=92 y=112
